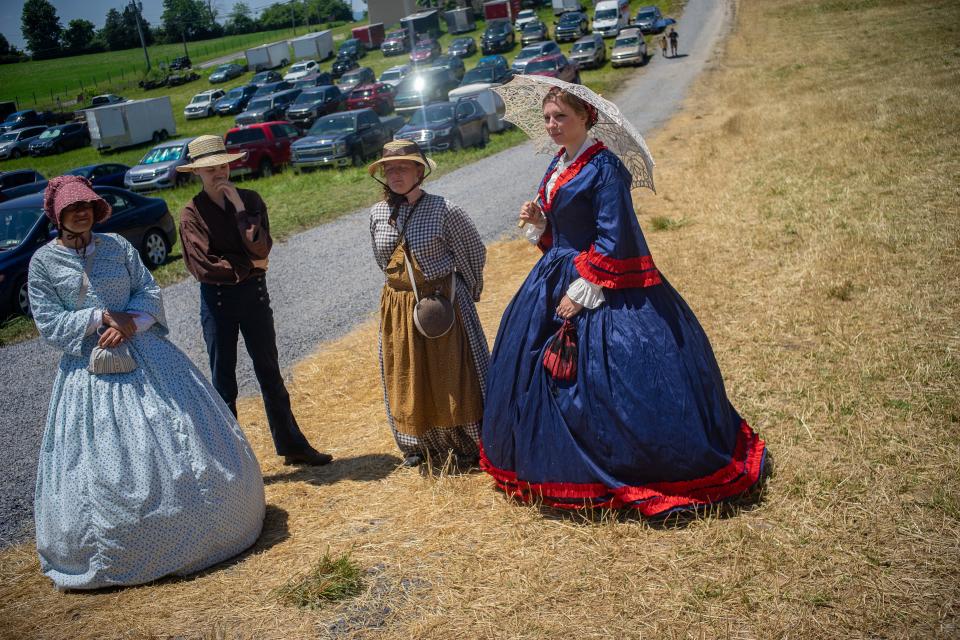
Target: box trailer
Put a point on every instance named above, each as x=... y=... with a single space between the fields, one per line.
x=370 y=35
x=125 y=124
x=460 y=20
x=562 y=6
x=501 y=10
x=268 y=56
x=422 y=23
x=313 y=46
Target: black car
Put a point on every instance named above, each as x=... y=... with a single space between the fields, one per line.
x=182 y=62
x=313 y=103
x=462 y=47
x=107 y=175
x=422 y=88
x=573 y=25
x=352 y=47
x=321 y=79
x=266 y=77
x=342 y=64
x=60 y=138
x=236 y=99
x=226 y=72
x=267 y=108
x=498 y=36
x=272 y=87
x=447 y=126
x=453 y=64
x=145 y=222
x=20 y=182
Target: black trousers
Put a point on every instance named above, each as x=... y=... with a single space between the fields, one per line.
x=227 y=311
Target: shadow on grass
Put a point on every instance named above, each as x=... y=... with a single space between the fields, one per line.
x=368 y=467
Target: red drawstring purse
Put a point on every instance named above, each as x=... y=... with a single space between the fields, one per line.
x=560 y=356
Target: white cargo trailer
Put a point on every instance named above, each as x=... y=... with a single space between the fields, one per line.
x=268 y=56
x=562 y=6
x=313 y=46
x=129 y=123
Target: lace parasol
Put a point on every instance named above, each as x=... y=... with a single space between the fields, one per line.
x=523 y=97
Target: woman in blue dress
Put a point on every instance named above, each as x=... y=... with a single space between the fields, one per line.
x=645 y=422
x=141 y=474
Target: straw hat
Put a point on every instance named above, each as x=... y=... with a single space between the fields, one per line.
x=402 y=150
x=208 y=151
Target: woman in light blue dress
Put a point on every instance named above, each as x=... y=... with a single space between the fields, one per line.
x=141 y=474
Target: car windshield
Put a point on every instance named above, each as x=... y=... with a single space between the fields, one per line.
x=261 y=77
x=483 y=74
x=224 y=67
x=570 y=19
x=626 y=42
x=298 y=67
x=261 y=103
x=526 y=13
x=162 y=154
x=526 y=54
x=309 y=96
x=333 y=125
x=50 y=133
x=397 y=34
x=584 y=46
x=462 y=42
x=236 y=92
x=542 y=65
x=647 y=14
x=199 y=99
x=390 y=75
x=434 y=114
x=605 y=14
x=532 y=27
x=82 y=171
x=499 y=27
x=15 y=225
x=9 y=137
x=423 y=46
x=362 y=93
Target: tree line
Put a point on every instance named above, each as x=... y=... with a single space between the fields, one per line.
x=189 y=20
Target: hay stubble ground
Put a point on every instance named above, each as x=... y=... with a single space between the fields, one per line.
x=813 y=180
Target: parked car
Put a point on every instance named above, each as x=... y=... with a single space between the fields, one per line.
x=181 y=77
x=319 y=79
x=202 y=104
x=25 y=118
x=554 y=66
x=343 y=64
x=158 y=168
x=145 y=222
x=589 y=51
x=265 y=77
x=650 y=20
x=525 y=17
x=447 y=125
x=462 y=47
x=181 y=62
x=375 y=95
x=341 y=139
x=629 y=48
x=355 y=77
x=14 y=144
x=394 y=75
x=313 y=103
x=271 y=88
x=267 y=108
x=425 y=51
x=573 y=25
x=452 y=64
x=20 y=182
x=534 y=32
x=498 y=36
x=226 y=72
x=105 y=99
x=267 y=147
x=493 y=61
x=422 y=88
x=108 y=175
x=235 y=100
x=486 y=76
x=60 y=138
x=395 y=43
x=352 y=47
x=301 y=70
x=532 y=51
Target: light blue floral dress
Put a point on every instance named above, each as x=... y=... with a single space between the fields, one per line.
x=141 y=474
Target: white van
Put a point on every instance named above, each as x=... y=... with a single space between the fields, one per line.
x=609 y=16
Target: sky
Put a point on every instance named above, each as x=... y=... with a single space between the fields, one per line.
x=96 y=11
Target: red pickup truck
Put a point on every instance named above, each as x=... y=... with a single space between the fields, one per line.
x=267 y=145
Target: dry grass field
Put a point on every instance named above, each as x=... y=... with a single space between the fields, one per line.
x=808 y=210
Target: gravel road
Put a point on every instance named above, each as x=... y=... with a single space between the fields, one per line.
x=336 y=257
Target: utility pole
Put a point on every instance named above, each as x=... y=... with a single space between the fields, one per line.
x=137 y=7
x=183 y=34
x=293 y=18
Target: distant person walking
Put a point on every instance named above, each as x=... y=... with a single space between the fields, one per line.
x=226 y=241
x=674 y=38
x=663 y=46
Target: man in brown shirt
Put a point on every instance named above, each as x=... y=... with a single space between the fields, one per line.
x=226 y=241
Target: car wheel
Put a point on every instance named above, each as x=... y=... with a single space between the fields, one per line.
x=155 y=139
x=163 y=135
x=457 y=143
x=182 y=179
x=357 y=157
x=154 y=249
x=15 y=154
x=266 y=168
x=21 y=297
x=58 y=148
x=484 y=137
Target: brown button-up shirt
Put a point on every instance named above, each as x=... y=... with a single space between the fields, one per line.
x=220 y=245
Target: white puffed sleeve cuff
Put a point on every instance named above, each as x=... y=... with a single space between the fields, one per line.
x=143 y=320
x=586 y=293
x=96 y=319
x=534 y=231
